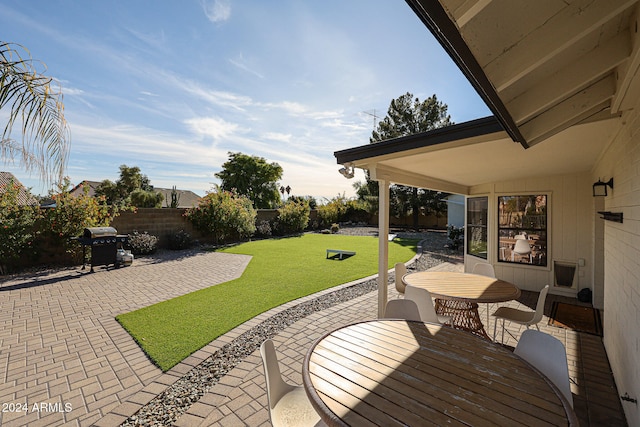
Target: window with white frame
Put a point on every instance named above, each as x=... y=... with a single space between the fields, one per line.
x=477 y=214
x=522 y=229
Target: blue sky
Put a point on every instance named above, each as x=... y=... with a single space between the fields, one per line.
x=173 y=86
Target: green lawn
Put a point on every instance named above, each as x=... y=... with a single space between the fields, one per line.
x=281 y=270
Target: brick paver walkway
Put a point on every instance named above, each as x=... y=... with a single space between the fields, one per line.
x=63 y=357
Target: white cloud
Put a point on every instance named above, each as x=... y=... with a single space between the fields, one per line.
x=216 y=10
x=212 y=127
x=143 y=143
x=276 y=136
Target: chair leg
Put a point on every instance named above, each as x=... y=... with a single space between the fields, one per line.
x=494 y=329
x=488 y=305
x=503 y=320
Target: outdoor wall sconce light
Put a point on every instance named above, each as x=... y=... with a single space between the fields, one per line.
x=348 y=170
x=600 y=188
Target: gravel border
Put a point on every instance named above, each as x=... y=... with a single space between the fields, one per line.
x=168 y=406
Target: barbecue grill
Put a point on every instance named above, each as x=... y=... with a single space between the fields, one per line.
x=104 y=243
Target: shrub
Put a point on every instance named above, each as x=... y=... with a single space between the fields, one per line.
x=456 y=236
x=179 y=240
x=263 y=228
x=329 y=213
x=143 y=243
x=17 y=227
x=225 y=215
x=146 y=199
x=293 y=217
x=356 y=211
x=338 y=209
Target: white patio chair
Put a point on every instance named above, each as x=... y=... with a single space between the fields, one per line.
x=521 y=248
x=400 y=270
x=549 y=356
x=402 y=309
x=485 y=269
x=288 y=404
x=522 y=317
x=422 y=298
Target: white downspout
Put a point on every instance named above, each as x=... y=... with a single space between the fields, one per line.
x=383 y=244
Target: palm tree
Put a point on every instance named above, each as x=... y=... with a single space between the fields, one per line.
x=30 y=100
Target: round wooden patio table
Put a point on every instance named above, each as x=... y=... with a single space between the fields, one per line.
x=458 y=294
x=397 y=372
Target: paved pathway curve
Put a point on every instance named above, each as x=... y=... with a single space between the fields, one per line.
x=63 y=357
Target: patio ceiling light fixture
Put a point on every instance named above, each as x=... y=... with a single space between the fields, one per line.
x=348 y=170
x=600 y=188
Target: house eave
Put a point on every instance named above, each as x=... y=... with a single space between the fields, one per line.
x=435 y=18
x=450 y=134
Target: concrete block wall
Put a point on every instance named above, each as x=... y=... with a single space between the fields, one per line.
x=158 y=222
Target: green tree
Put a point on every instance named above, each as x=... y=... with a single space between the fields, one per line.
x=131 y=181
x=27 y=97
x=407 y=116
x=253 y=177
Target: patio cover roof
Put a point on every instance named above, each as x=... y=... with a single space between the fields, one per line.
x=557 y=76
x=457 y=157
x=542 y=66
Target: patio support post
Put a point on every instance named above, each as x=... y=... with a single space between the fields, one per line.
x=383 y=243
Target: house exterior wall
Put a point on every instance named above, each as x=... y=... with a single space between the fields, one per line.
x=621 y=266
x=455 y=210
x=569 y=230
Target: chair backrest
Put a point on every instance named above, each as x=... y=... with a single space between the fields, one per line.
x=422 y=298
x=276 y=386
x=402 y=309
x=537 y=317
x=522 y=247
x=549 y=356
x=400 y=270
x=484 y=269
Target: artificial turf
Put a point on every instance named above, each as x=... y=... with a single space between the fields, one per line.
x=280 y=270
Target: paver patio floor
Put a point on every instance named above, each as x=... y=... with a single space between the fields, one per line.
x=64 y=359
x=61 y=345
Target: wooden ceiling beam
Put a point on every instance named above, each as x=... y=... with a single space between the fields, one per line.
x=561 y=32
x=569 y=112
x=568 y=81
x=468 y=10
x=627 y=73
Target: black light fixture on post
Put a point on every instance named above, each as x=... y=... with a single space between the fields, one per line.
x=600 y=188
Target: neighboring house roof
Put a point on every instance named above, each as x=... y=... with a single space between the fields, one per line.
x=78 y=190
x=186 y=198
x=24 y=197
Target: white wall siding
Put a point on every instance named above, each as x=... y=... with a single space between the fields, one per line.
x=622 y=261
x=570 y=228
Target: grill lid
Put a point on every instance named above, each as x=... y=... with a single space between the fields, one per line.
x=94 y=232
